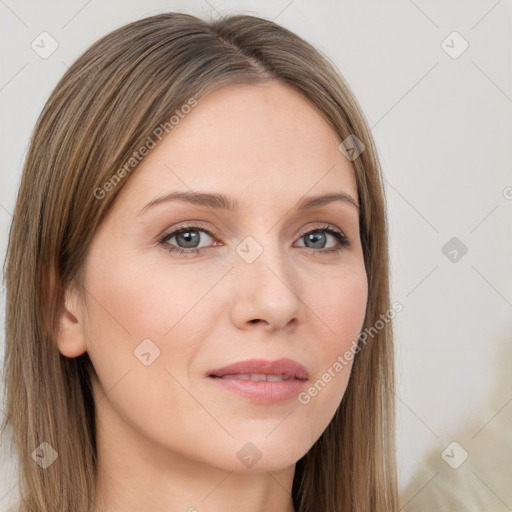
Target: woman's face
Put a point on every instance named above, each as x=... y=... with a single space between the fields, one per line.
x=156 y=322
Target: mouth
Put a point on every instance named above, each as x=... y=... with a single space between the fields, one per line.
x=262 y=381
x=263 y=369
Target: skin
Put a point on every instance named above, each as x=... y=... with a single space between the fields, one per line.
x=167 y=436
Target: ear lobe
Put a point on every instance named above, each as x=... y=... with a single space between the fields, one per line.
x=71 y=340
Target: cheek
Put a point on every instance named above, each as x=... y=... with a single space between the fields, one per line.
x=338 y=311
x=131 y=301
x=147 y=300
x=340 y=308
x=134 y=334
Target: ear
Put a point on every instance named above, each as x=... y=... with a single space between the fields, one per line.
x=71 y=339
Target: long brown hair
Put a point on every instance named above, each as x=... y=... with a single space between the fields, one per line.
x=103 y=110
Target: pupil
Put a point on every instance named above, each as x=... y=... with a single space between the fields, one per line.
x=189 y=237
x=315 y=238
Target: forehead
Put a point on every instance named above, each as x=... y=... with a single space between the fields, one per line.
x=262 y=142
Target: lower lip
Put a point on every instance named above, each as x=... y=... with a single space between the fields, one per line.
x=262 y=391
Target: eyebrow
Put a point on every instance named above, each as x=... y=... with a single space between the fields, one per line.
x=223 y=202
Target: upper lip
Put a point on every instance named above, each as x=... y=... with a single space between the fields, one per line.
x=285 y=367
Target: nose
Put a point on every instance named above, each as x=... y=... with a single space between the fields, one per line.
x=265 y=292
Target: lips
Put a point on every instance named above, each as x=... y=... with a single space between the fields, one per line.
x=262 y=369
x=261 y=381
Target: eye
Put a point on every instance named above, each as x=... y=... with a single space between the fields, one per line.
x=187 y=239
x=317 y=237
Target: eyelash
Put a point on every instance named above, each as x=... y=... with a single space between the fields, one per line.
x=344 y=242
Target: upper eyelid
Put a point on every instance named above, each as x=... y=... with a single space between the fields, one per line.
x=198 y=227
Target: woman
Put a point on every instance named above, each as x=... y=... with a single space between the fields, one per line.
x=198 y=313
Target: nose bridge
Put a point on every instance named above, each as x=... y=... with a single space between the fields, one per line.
x=265 y=284
x=261 y=252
